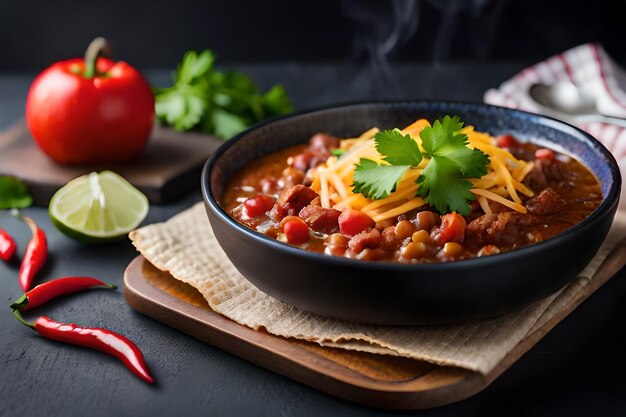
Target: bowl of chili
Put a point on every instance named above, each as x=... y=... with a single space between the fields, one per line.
x=397 y=287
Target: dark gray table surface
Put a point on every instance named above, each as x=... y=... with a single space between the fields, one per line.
x=578 y=369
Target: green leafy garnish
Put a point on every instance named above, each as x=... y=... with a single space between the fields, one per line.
x=398 y=149
x=13 y=193
x=222 y=103
x=337 y=152
x=444 y=140
x=444 y=181
x=377 y=181
x=441 y=186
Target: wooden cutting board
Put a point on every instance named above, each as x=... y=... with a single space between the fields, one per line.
x=373 y=380
x=168 y=167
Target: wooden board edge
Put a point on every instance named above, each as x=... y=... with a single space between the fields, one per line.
x=612 y=264
x=161 y=191
x=284 y=357
x=340 y=381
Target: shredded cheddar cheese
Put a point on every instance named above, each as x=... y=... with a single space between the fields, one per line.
x=333 y=180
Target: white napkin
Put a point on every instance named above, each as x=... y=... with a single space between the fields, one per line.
x=589 y=68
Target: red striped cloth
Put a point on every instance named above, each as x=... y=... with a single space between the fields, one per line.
x=588 y=67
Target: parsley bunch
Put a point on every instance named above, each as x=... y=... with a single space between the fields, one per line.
x=444 y=181
x=215 y=102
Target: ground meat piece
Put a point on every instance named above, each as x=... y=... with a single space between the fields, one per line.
x=323 y=143
x=278 y=212
x=370 y=238
x=290 y=177
x=498 y=228
x=547 y=201
x=301 y=161
x=390 y=241
x=497 y=207
x=320 y=219
x=544 y=172
x=318 y=159
x=317 y=153
x=295 y=198
x=521 y=152
x=269 y=185
x=309 y=159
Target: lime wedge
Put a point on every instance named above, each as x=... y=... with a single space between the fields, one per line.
x=98 y=208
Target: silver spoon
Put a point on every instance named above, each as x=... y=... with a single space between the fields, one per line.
x=566 y=101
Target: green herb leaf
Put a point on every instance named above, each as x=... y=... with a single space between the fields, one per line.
x=337 y=152
x=227 y=124
x=444 y=139
x=194 y=67
x=398 y=149
x=440 y=184
x=181 y=107
x=13 y=193
x=443 y=182
x=377 y=181
x=276 y=102
x=222 y=103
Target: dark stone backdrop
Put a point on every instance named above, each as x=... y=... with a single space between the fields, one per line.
x=34 y=33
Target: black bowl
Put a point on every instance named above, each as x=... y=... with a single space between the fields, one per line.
x=398 y=294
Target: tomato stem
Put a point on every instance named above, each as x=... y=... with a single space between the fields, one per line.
x=96 y=48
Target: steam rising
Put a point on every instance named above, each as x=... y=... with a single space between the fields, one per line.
x=384 y=28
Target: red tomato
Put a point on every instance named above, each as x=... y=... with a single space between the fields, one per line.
x=296 y=230
x=452 y=229
x=258 y=205
x=506 y=141
x=353 y=222
x=86 y=120
x=544 y=153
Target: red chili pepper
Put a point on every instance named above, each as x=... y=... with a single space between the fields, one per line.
x=36 y=253
x=42 y=293
x=103 y=340
x=7 y=246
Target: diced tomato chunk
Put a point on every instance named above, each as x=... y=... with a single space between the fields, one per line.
x=544 y=154
x=353 y=222
x=296 y=230
x=258 y=205
x=506 y=141
x=452 y=229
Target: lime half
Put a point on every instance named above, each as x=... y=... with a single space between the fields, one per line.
x=98 y=208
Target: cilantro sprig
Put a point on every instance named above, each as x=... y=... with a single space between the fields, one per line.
x=222 y=103
x=377 y=181
x=444 y=181
x=13 y=193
